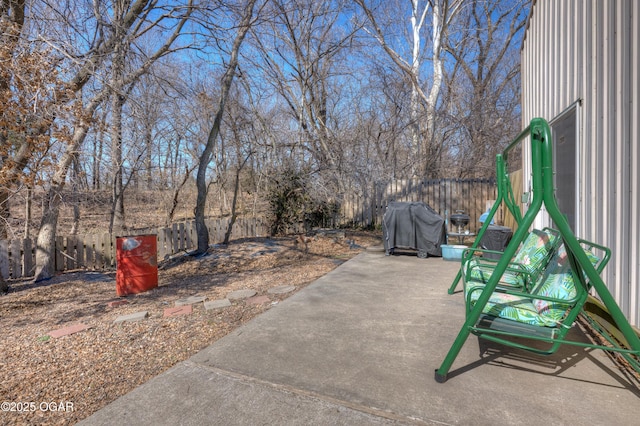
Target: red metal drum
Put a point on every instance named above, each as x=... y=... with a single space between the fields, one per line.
x=136 y=264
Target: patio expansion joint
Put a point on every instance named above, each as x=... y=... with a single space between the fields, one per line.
x=313 y=395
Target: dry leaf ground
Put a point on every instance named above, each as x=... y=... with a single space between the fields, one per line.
x=46 y=380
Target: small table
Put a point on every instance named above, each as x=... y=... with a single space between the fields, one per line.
x=461 y=235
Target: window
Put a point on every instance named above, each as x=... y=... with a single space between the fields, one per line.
x=564 y=129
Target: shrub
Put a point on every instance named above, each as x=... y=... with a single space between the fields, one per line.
x=292 y=201
x=287 y=197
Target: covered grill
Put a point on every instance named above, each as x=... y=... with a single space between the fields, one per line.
x=414 y=226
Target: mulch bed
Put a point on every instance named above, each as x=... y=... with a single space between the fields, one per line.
x=61 y=380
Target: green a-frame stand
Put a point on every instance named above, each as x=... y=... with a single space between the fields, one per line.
x=543 y=194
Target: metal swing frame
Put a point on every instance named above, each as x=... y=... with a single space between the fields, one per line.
x=539 y=133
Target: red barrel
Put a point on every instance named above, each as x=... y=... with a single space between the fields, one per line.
x=136 y=264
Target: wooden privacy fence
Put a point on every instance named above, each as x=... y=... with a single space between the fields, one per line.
x=445 y=196
x=98 y=251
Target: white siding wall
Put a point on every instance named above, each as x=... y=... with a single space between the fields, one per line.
x=589 y=50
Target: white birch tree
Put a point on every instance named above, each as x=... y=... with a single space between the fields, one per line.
x=435 y=15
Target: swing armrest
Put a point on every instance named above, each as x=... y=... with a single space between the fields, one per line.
x=524 y=295
x=469 y=253
x=604 y=251
x=479 y=269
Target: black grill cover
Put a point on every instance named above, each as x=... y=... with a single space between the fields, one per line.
x=413 y=226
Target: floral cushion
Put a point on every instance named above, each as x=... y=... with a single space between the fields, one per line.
x=536 y=249
x=511 y=307
x=482 y=273
x=559 y=283
x=531 y=257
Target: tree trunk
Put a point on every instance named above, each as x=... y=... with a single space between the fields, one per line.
x=98 y=144
x=75 y=176
x=117 y=103
x=46 y=243
x=205 y=158
x=27 y=211
x=417 y=19
x=117 y=222
x=430 y=163
x=236 y=189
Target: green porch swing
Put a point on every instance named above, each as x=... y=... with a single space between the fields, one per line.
x=537 y=304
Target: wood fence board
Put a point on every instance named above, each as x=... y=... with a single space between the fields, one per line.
x=98 y=243
x=219 y=234
x=92 y=252
x=59 y=257
x=67 y=253
x=70 y=252
x=159 y=244
x=16 y=258
x=163 y=253
x=101 y=258
x=80 y=252
x=235 y=231
x=108 y=250
x=211 y=227
x=518 y=189
x=27 y=257
x=181 y=237
x=213 y=233
x=189 y=234
x=89 y=253
x=98 y=252
x=4 y=258
x=175 y=241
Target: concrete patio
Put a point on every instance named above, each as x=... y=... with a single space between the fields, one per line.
x=360 y=346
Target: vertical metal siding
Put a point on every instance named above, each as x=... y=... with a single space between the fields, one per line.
x=634 y=132
x=589 y=50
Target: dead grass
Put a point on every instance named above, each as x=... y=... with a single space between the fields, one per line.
x=90 y=369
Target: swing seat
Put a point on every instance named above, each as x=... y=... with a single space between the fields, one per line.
x=526 y=266
x=549 y=309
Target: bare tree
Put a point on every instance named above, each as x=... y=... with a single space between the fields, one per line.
x=135 y=19
x=485 y=91
x=118 y=99
x=242 y=134
x=329 y=103
x=300 y=52
x=29 y=86
x=438 y=14
x=243 y=27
